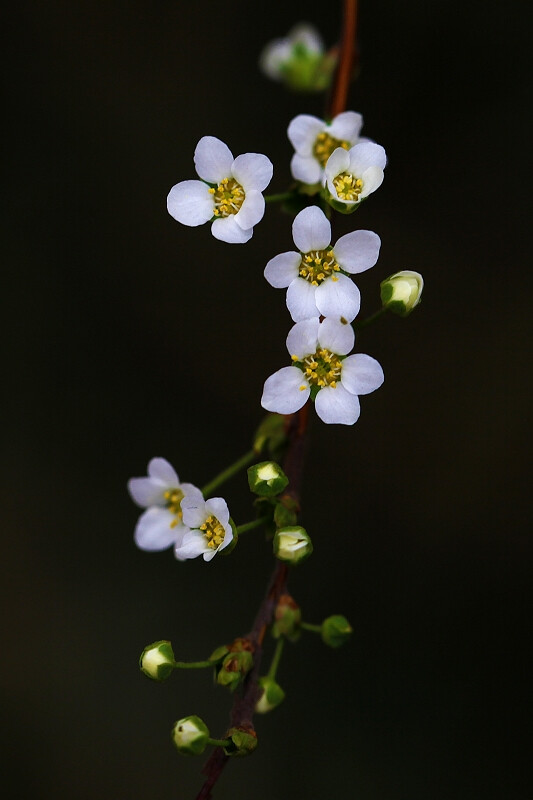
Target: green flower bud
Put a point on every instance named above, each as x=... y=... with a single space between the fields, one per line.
x=270 y=437
x=235 y=665
x=285 y=512
x=336 y=630
x=401 y=292
x=157 y=660
x=292 y=544
x=266 y=479
x=243 y=741
x=218 y=654
x=287 y=618
x=271 y=696
x=190 y=735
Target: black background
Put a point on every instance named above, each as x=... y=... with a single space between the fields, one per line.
x=128 y=335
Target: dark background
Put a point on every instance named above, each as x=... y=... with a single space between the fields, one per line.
x=128 y=335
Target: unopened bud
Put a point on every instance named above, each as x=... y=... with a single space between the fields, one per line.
x=267 y=479
x=401 y=292
x=336 y=630
x=157 y=660
x=287 y=618
x=243 y=741
x=190 y=735
x=270 y=437
x=271 y=696
x=292 y=544
x=235 y=665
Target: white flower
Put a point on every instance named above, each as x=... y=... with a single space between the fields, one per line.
x=298 y=60
x=320 y=370
x=161 y=493
x=230 y=191
x=302 y=42
x=314 y=140
x=210 y=528
x=351 y=175
x=315 y=276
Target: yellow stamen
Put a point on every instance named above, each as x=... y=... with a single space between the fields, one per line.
x=348 y=187
x=325 y=145
x=174 y=498
x=318 y=265
x=322 y=368
x=228 y=197
x=213 y=531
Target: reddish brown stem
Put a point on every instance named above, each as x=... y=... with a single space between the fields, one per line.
x=347 y=60
x=296 y=426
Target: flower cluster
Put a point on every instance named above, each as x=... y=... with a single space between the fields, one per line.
x=341 y=168
x=177 y=515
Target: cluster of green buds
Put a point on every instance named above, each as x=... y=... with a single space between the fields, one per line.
x=233 y=662
x=401 y=292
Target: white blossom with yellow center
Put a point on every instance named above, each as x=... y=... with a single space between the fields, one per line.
x=321 y=370
x=314 y=140
x=161 y=493
x=351 y=175
x=209 y=528
x=229 y=192
x=315 y=277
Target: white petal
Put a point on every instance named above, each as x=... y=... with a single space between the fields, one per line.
x=252 y=171
x=364 y=155
x=372 y=179
x=218 y=507
x=357 y=251
x=193 y=544
x=311 y=230
x=308 y=35
x=273 y=56
x=228 y=537
x=227 y=230
x=301 y=301
x=212 y=159
x=337 y=405
x=252 y=210
x=302 y=338
x=194 y=513
x=346 y=127
x=361 y=374
x=190 y=203
x=160 y=469
x=339 y=161
x=189 y=490
x=285 y=391
x=338 y=296
x=306 y=169
x=283 y=269
x=302 y=133
x=146 y=492
x=153 y=531
x=335 y=336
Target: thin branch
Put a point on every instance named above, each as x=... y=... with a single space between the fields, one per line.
x=347 y=60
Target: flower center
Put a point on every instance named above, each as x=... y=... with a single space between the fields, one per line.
x=348 y=187
x=325 y=145
x=228 y=197
x=323 y=368
x=174 y=498
x=213 y=531
x=317 y=265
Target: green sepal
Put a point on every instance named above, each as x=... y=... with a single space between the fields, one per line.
x=243 y=741
x=285 y=512
x=218 y=654
x=336 y=631
x=270 y=437
x=270 y=485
